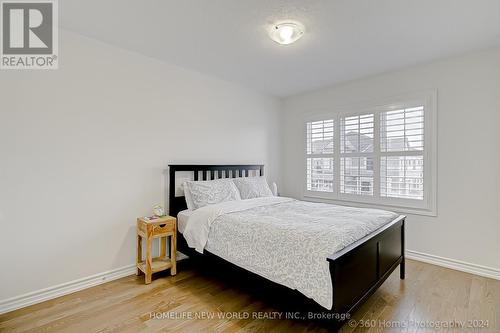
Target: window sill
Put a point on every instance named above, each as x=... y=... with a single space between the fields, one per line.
x=346 y=202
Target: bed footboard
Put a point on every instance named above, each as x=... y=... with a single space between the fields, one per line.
x=359 y=269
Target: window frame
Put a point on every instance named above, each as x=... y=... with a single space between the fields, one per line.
x=427 y=206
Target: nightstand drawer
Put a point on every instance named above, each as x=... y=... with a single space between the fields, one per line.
x=163 y=226
x=162 y=229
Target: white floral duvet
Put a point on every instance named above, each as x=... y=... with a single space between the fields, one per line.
x=284 y=240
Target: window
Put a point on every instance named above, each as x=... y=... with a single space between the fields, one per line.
x=384 y=155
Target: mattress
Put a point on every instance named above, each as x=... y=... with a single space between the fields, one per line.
x=284 y=240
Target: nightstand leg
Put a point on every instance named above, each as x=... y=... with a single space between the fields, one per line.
x=163 y=247
x=173 y=253
x=149 y=260
x=139 y=253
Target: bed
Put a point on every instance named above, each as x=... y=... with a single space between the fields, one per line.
x=366 y=245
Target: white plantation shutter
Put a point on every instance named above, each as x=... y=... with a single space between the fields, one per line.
x=356 y=175
x=402 y=171
x=319 y=156
x=356 y=134
x=402 y=177
x=402 y=130
x=382 y=156
x=356 y=154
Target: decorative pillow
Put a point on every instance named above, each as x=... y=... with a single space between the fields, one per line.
x=210 y=192
x=252 y=187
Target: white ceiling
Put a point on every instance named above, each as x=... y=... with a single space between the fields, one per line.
x=344 y=39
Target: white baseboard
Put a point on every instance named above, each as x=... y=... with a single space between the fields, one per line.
x=46 y=294
x=489 y=272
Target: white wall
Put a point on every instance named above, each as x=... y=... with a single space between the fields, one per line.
x=467 y=226
x=83 y=150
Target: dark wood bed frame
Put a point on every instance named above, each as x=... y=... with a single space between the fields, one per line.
x=356 y=271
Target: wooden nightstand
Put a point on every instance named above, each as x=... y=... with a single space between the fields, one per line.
x=162 y=228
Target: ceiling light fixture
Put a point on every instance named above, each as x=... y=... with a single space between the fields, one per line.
x=287 y=32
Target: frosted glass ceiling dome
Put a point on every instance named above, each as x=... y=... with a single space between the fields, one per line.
x=287 y=32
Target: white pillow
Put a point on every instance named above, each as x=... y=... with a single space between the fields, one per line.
x=187 y=196
x=252 y=187
x=210 y=192
x=274 y=189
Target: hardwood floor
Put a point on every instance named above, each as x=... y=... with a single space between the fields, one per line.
x=429 y=296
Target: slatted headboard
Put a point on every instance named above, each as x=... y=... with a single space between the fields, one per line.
x=207 y=172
